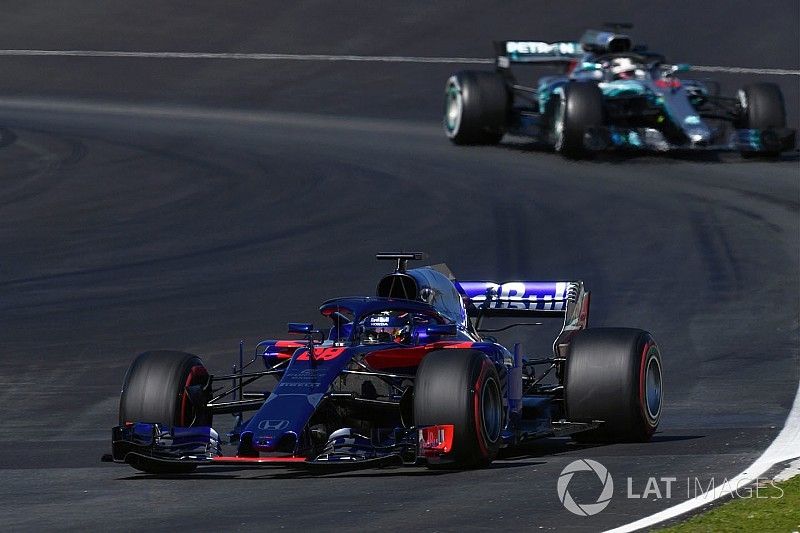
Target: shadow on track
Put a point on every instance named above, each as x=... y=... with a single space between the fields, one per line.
x=556 y=446
x=625 y=156
x=515 y=458
x=412 y=471
x=675 y=438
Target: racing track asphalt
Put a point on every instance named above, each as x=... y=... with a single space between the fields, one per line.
x=142 y=208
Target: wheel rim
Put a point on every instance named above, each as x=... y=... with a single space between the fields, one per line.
x=491 y=410
x=454 y=106
x=558 y=125
x=742 y=100
x=743 y=108
x=653 y=388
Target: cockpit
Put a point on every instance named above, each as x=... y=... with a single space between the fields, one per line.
x=367 y=321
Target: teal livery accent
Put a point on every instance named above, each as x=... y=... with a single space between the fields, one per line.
x=623 y=88
x=611 y=93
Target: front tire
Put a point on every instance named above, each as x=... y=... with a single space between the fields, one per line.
x=165 y=387
x=476 y=107
x=762 y=108
x=614 y=375
x=578 y=108
x=461 y=387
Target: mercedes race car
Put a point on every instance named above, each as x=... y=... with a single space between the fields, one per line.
x=611 y=94
x=408 y=376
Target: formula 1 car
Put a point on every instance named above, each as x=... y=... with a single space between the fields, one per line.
x=611 y=95
x=403 y=377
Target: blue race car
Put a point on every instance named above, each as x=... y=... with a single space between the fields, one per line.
x=407 y=376
x=610 y=95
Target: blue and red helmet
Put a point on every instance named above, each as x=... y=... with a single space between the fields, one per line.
x=386 y=326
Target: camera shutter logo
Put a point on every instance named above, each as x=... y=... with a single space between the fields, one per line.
x=585 y=509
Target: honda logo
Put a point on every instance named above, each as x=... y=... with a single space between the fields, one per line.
x=273 y=425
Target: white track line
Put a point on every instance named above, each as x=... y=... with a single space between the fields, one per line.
x=789 y=472
x=785 y=447
x=745 y=70
x=250 y=56
x=332 y=57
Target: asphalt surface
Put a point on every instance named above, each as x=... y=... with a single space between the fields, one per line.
x=189 y=204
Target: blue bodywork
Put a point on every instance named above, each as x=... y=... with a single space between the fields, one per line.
x=286 y=421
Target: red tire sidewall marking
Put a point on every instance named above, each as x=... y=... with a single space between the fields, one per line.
x=478 y=418
x=648 y=346
x=196 y=371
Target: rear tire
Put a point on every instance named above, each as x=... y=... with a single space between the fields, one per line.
x=577 y=109
x=461 y=387
x=476 y=107
x=614 y=375
x=762 y=108
x=156 y=390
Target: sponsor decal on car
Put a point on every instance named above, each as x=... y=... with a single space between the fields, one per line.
x=539 y=47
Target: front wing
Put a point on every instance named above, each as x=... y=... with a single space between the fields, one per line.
x=143 y=445
x=741 y=140
x=529 y=124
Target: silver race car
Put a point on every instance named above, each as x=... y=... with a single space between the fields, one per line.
x=610 y=95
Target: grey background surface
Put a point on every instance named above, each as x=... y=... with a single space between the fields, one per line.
x=189 y=204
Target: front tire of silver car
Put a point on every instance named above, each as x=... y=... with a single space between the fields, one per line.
x=454 y=108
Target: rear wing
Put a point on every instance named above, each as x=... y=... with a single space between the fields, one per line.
x=536 y=52
x=517 y=299
x=562 y=52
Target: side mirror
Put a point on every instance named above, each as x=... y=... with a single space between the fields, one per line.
x=307 y=329
x=443 y=330
x=681 y=67
x=303 y=328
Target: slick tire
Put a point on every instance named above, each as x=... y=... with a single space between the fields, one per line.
x=762 y=108
x=461 y=387
x=578 y=108
x=614 y=375
x=476 y=107
x=156 y=389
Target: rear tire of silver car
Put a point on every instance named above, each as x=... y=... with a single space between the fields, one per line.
x=762 y=108
x=573 y=110
x=461 y=387
x=156 y=390
x=476 y=107
x=614 y=375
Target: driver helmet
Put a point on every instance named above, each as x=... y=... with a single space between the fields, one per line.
x=386 y=326
x=623 y=68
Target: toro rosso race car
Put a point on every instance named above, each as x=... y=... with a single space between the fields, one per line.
x=408 y=376
x=611 y=95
